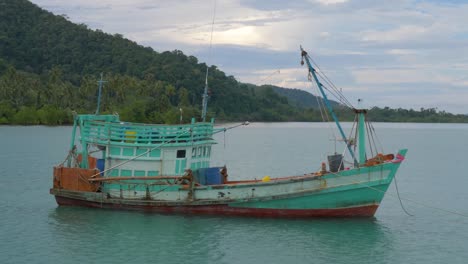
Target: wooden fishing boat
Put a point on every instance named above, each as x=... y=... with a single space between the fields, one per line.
x=166 y=169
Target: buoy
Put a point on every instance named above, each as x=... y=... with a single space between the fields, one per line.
x=266 y=179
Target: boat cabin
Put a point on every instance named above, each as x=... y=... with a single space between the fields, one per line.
x=124 y=149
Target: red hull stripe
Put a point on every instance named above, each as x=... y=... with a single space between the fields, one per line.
x=359 y=211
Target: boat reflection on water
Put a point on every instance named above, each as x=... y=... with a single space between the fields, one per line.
x=146 y=237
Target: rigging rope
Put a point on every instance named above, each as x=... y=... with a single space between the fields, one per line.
x=371 y=131
x=370 y=137
x=376 y=137
x=268 y=77
x=340 y=95
x=369 y=140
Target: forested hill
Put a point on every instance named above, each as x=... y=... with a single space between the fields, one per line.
x=49 y=67
x=62 y=60
x=299 y=98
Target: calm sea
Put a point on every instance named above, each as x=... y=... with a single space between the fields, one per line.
x=34 y=230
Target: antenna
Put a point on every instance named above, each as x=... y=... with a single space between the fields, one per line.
x=100 y=82
x=181 y=112
x=205 y=92
x=205 y=97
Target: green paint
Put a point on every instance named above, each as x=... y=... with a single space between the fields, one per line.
x=183 y=165
x=128 y=152
x=177 y=167
x=139 y=173
x=107 y=129
x=140 y=151
x=114 y=173
x=155 y=153
x=180 y=166
x=115 y=151
x=329 y=198
x=153 y=173
x=125 y=173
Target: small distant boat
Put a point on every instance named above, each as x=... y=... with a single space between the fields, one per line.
x=167 y=169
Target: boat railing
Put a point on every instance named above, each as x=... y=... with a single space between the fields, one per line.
x=131 y=134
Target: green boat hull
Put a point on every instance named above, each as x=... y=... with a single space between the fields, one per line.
x=355 y=192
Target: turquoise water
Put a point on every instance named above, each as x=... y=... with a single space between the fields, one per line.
x=34 y=230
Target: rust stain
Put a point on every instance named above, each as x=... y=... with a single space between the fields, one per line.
x=92 y=161
x=74 y=179
x=224 y=209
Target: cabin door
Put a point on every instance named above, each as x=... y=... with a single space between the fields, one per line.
x=181 y=161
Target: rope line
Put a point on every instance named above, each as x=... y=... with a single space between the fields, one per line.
x=322 y=74
x=411 y=200
x=369 y=137
x=268 y=77
x=376 y=136
x=399 y=198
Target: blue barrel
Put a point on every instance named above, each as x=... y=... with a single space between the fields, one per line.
x=208 y=176
x=213 y=176
x=100 y=165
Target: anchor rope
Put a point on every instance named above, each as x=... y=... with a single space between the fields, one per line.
x=399 y=198
x=411 y=200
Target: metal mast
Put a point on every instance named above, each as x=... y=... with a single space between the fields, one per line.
x=101 y=82
x=205 y=97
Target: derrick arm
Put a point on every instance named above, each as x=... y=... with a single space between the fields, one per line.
x=327 y=103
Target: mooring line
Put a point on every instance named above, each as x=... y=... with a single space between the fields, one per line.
x=411 y=200
x=399 y=198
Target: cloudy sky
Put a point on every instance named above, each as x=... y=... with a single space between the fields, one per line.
x=398 y=53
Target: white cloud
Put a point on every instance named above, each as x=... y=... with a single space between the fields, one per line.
x=406 y=32
x=401 y=51
x=331 y=2
x=366 y=46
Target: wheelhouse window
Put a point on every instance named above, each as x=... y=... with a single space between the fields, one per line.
x=194 y=152
x=181 y=153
